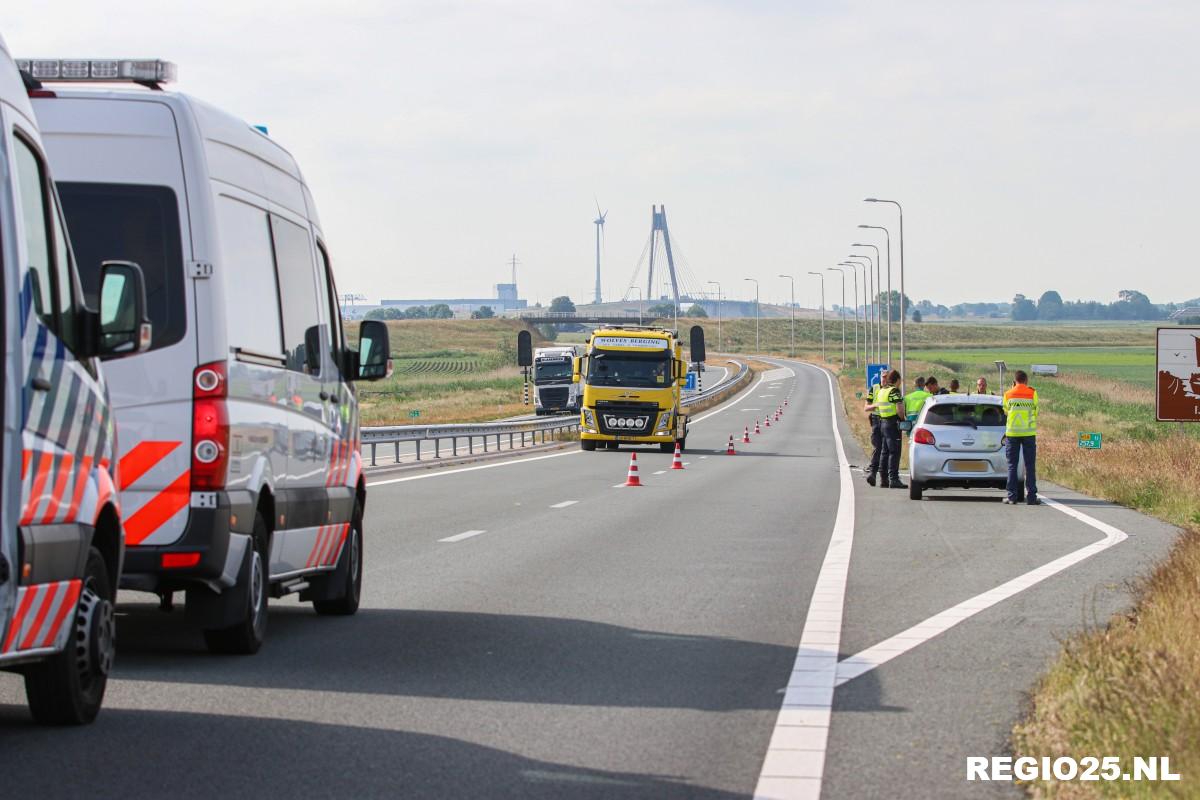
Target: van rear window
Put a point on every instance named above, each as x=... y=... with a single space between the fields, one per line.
x=126 y=222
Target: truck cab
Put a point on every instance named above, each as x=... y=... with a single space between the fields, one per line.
x=555 y=388
x=632 y=380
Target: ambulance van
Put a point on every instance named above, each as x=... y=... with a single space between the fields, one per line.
x=61 y=541
x=239 y=432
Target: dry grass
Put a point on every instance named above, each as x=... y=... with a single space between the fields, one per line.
x=1130 y=689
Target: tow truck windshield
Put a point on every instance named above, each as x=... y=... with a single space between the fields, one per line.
x=621 y=368
x=552 y=371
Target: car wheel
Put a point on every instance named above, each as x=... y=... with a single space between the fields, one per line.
x=351 y=561
x=915 y=489
x=247 y=635
x=68 y=688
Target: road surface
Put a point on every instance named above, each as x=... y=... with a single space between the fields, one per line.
x=529 y=630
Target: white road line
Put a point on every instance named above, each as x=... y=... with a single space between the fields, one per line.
x=458 y=537
x=657 y=472
x=440 y=473
x=703 y=457
x=795 y=760
x=885 y=651
x=564 y=504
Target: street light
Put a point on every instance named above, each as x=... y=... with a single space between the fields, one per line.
x=903 y=310
x=842 y=310
x=853 y=265
x=889 y=298
x=720 y=341
x=822 y=277
x=792 y=346
x=757 y=314
x=872 y=269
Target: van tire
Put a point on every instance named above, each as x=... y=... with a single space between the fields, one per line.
x=587 y=445
x=350 y=562
x=915 y=489
x=68 y=688
x=246 y=636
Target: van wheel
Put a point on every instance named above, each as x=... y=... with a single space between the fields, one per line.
x=246 y=636
x=915 y=489
x=351 y=563
x=68 y=688
x=587 y=444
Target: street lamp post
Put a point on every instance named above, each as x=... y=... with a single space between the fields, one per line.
x=872 y=269
x=757 y=314
x=822 y=277
x=792 y=345
x=889 y=300
x=842 y=310
x=853 y=265
x=720 y=341
x=903 y=310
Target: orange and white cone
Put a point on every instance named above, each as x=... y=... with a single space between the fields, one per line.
x=729 y=451
x=632 y=478
x=767 y=421
x=677 y=461
x=757 y=430
x=746 y=435
x=785 y=401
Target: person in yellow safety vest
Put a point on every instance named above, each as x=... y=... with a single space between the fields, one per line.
x=876 y=436
x=1021 y=406
x=914 y=401
x=981 y=386
x=887 y=406
x=954 y=384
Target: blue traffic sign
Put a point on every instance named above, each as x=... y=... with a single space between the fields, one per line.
x=690 y=385
x=875 y=373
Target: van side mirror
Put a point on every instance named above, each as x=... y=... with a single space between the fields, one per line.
x=121 y=327
x=374 y=357
x=524 y=349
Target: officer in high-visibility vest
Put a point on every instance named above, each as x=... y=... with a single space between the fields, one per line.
x=914 y=401
x=981 y=386
x=1021 y=406
x=887 y=406
x=876 y=435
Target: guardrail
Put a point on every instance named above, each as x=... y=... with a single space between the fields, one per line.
x=486 y=433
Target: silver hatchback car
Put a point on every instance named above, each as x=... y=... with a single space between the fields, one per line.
x=958 y=442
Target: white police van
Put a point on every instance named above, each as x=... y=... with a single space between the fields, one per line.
x=238 y=428
x=61 y=543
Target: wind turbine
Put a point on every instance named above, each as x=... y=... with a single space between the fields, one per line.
x=599 y=223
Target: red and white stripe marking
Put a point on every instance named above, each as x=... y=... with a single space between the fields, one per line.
x=44 y=613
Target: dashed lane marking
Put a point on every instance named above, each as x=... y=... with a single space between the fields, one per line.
x=885 y=651
x=564 y=504
x=458 y=537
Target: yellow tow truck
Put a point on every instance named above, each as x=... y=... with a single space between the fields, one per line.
x=632 y=379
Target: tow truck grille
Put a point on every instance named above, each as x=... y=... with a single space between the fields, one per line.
x=628 y=419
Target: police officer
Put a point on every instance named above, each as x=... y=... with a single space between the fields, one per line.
x=954 y=386
x=1021 y=406
x=981 y=386
x=914 y=401
x=876 y=435
x=887 y=406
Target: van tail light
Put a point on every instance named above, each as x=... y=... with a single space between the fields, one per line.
x=923 y=436
x=210 y=427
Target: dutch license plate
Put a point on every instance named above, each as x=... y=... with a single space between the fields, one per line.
x=968 y=466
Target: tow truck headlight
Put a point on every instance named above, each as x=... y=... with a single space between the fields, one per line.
x=664 y=422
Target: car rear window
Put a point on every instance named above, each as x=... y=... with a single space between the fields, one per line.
x=127 y=222
x=975 y=415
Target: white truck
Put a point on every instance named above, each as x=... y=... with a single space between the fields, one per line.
x=555 y=392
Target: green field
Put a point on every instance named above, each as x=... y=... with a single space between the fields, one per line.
x=1133 y=364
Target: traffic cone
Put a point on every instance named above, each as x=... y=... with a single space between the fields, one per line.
x=768 y=421
x=677 y=461
x=632 y=478
x=729 y=451
x=757 y=430
x=785 y=401
x=746 y=435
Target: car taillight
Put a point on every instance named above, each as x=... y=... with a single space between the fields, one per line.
x=923 y=436
x=210 y=427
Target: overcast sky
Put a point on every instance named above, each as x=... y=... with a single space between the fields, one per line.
x=1035 y=145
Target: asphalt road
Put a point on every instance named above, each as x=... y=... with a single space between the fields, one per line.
x=573 y=639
